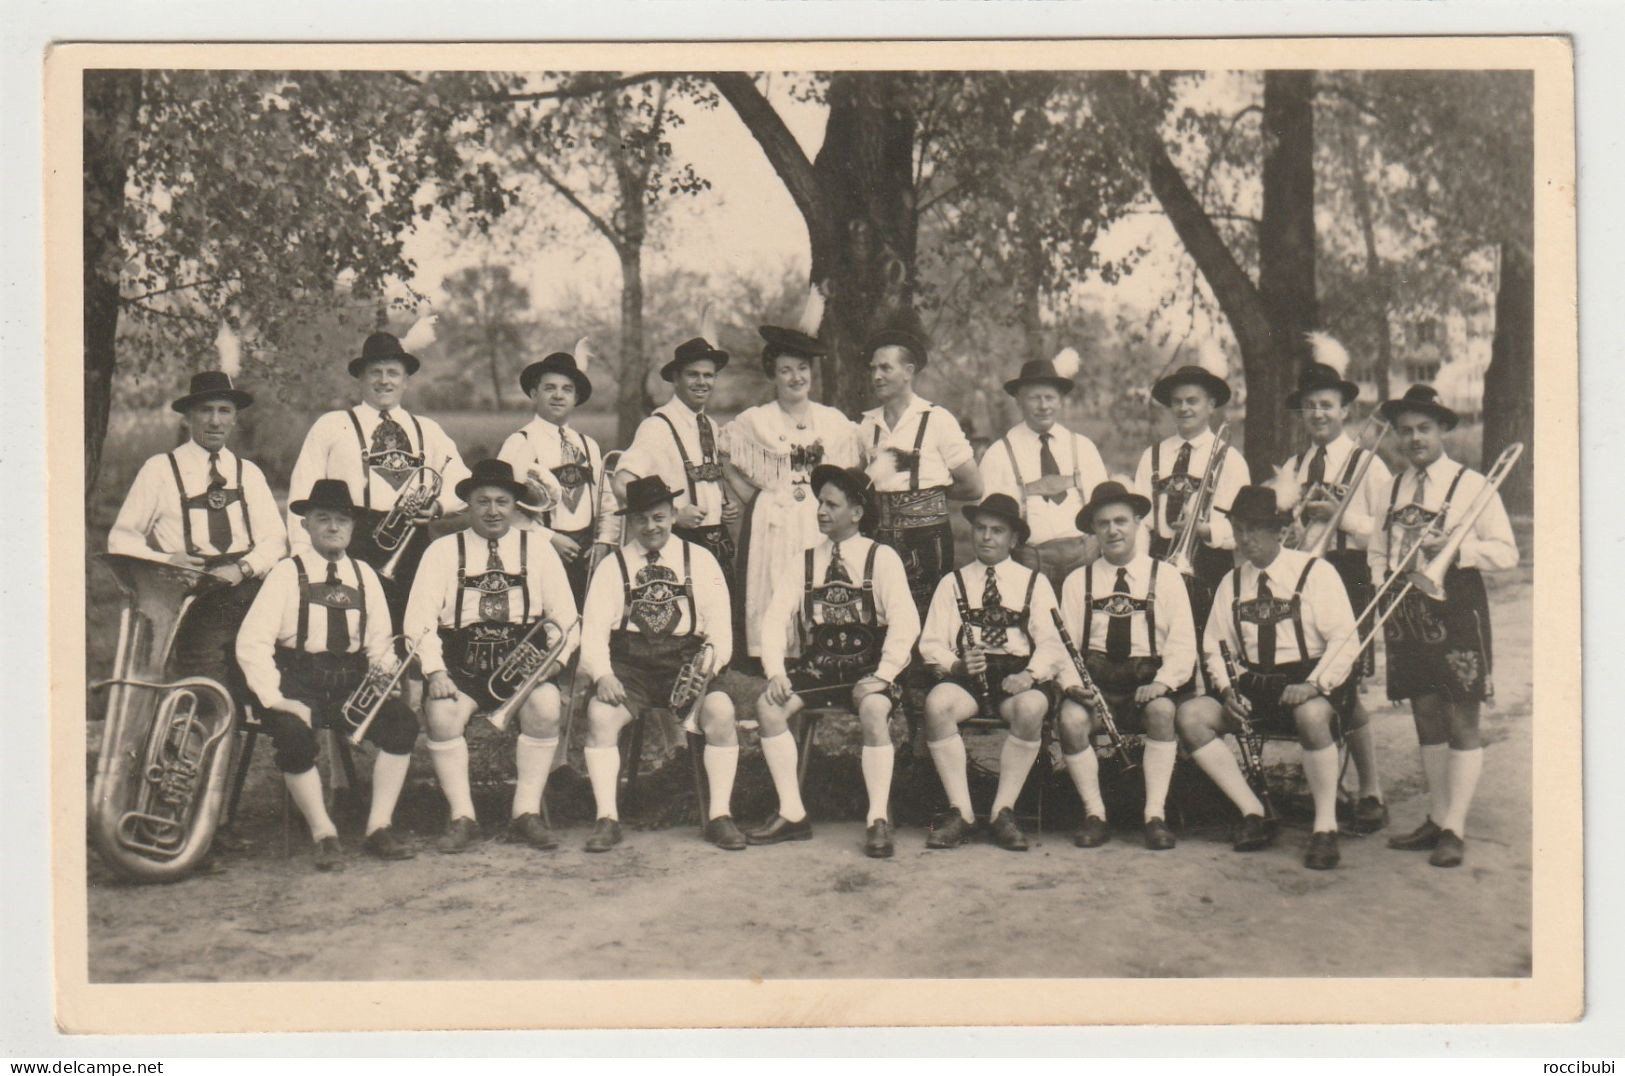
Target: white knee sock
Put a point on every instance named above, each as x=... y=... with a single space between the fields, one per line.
x=877 y=767
x=388 y=775
x=1085 y=770
x=1321 y=769
x=1436 y=768
x=604 y=771
x=949 y=756
x=1218 y=763
x=1465 y=766
x=533 y=758
x=1159 y=773
x=780 y=753
x=1015 y=762
x=720 y=765
x=306 y=790
x=450 y=758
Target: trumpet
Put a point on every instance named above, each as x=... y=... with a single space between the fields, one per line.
x=1328 y=529
x=1198 y=507
x=688 y=689
x=1251 y=743
x=526 y=666
x=548 y=486
x=369 y=696
x=420 y=490
x=1091 y=698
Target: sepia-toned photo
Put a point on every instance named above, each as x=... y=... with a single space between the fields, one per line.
x=645 y=525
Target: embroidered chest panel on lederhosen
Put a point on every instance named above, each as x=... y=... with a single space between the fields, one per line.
x=1272 y=610
x=996 y=621
x=709 y=469
x=1416 y=620
x=573 y=474
x=1174 y=490
x=482 y=613
x=393 y=460
x=1120 y=605
x=839 y=626
x=1413 y=520
x=324 y=595
x=654 y=601
x=216 y=499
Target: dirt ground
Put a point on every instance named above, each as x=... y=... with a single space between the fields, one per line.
x=665 y=904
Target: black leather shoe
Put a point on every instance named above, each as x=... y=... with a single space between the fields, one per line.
x=778 y=829
x=1006 y=832
x=1093 y=833
x=1158 y=837
x=949 y=831
x=1252 y=833
x=725 y=835
x=1423 y=838
x=877 y=843
x=329 y=856
x=606 y=834
x=385 y=843
x=1322 y=854
x=1370 y=815
x=530 y=829
x=1450 y=851
x=460 y=835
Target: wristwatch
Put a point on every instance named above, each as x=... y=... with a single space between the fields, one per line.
x=247 y=569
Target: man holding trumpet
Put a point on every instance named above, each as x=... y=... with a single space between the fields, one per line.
x=317 y=625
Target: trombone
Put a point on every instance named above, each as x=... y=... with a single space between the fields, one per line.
x=526 y=666
x=420 y=490
x=381 y=682
x=1328 y=528
x=1198 y=507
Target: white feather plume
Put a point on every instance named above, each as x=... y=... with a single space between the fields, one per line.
x=229 y=346
x=421 y=334
x=1211 y=357
x=708 y=325
x=812 y=314
x=1288 y=487
x=1326 y=349
x=1067 y=362
x=881 y=468
x=583 y=353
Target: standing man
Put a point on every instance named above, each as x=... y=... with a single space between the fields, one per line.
x=1276 y=614
x=855 y=633
x=204 y=507
x=651 y=605
x=918 y=456
x=1049 y=470
x=374 y=448
x=478 y=593
x=562 y=468
x=317 y=625
x=1439 y=652
x=1131 y=619
x=991 y=656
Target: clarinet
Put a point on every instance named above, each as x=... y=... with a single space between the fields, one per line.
x=1091 y=698
x=984 y=694
x=1251 y=743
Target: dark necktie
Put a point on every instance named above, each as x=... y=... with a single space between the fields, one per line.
x=1317 y=467
x=1047 y=466
x=708 y=440
x=1176 y=498
x=836 y=572
x=219 y=522
x=1266 y=626
x=497 y=609
x=338 y=620
x=1118 y=640
x=389 y=435
x=991 y=600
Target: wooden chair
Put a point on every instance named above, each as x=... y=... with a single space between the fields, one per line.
x=632 y=737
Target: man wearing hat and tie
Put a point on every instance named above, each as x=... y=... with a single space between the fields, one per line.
x=1048 y=469
x=1273 y=617
x=374 y=448
x=990 y=638
x=652 y=604
x=1439 y=652
x=204 y=507
x=1130 y=618
x=477 y=594
x=316 y=626
x=852 y=618
x=562 y=468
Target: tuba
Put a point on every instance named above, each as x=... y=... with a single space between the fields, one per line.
x=526 y=666
x=1317 y=546
x=375 y=689
x=166 y=752
x=1198 y=507
x=420 y=490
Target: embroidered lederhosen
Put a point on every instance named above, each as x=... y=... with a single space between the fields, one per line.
x=841 y=636
x=205 y=641
x=216 y=500
x=714 y=537
x=1351 y=564
x=915 y=522
x=1056 y=557
x=646 y=661
x=1118 y=679
x=473 y=650
x=1441 y=647
x=974 y=623
x=1262 y=683
x=1211 y=564
x=575 y=480
x=393 y=464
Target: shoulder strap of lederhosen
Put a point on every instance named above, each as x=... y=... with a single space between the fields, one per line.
x=1015 y=472
x=1450 y=495
x=688 y=589
x=524 y=577
x=242 y=504
x=807 y=590
x=1077 y=475
x=626 y=588
x=462 y=562
x=1297 y=609
x=361 y=443
x=1235 y=609
x=869 y=584
x=1151 y=608
x=1027 y=609
x=301 y=629
x=423 y=448
x=919 y=443
x=361 y=589
x=186 y=513
x=682 y=454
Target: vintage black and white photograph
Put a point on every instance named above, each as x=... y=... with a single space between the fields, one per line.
x=619 y=522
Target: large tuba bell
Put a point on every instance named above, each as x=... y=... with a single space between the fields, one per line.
x=165 y=756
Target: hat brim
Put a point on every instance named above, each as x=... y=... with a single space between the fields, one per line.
x=782 y=341
x=669 y=371
x=191 y=399
x=469 y=485
x=1394 y=408
x=1064 y=385
x=533 y=374
x=1085 y=520
x=825 y=473
x=1348 y=389
x=410 y=362
x=301 y=507
x=971 y=511
x=1275 y=519
x=1215 y=386
x=669 y=497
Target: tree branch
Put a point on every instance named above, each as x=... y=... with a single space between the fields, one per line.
x=172 y=314
x=583 y=208
x=582 y=90
x=782 y=150
x=178 y=287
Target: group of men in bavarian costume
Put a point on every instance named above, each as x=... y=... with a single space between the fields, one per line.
x=652 y=604
x=1439 y=652
x=989 y=638
x=1048 y=470
x=204 y=507
x=1276 y=615
x=319 y=621
x=374 y=448
x=1130 y=618
x=476 y=595
x=851 y=622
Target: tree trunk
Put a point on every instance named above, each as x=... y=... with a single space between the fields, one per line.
x=632 y=395
x=1509 y=383
x=112 y=99
x=1376 y=276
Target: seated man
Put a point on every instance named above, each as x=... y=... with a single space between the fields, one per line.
x=992 y=659
x=468 y=620
x=651 y=606
x=307 y=641
x=1132 y=621
x=854 y=637
x=1281 y=683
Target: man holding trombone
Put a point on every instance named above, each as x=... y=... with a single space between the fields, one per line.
x=317 y=627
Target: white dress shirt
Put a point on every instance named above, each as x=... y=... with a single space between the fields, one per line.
x=1233 y=474
x=894 y=605
x=653 y=453
x=939 y=639
x=151 y=513
x=539 y=446
x=606 y=602
x=1176 y=631
x=273 y=621
x=1327 y=618
x=433 y=602
x=1076 y=457
x=1490 y=545
x=944 y=449
x=332 y=451
x=1363 y=516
